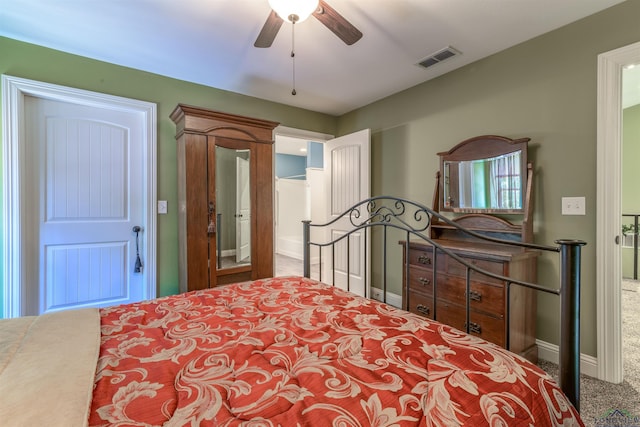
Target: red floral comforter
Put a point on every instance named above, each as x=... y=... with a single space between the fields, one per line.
x=295 y=352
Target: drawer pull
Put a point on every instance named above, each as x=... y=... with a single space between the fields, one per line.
x=423 y=309
x=475 y=296
x=423 y=259
x=424 y=281
x=474 y=327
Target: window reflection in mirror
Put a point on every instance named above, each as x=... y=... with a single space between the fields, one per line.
x=233 y=210
x=492 y=183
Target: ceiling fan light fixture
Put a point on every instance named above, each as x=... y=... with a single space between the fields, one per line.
x=294 y=10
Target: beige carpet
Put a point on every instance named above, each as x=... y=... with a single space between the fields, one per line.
x=597 y=397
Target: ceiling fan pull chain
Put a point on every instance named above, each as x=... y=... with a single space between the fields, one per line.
x=293 y=56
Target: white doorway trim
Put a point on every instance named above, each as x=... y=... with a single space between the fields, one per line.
x=301 y=134
x=609 y=210
x=14 y=91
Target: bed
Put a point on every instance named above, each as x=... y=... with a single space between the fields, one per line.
x=285 y=351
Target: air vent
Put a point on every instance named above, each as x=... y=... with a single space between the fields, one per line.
x=439 y=56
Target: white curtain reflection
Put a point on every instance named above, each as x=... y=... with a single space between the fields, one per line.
x=505 y=181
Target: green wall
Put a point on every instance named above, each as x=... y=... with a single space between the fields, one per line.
x=544 y=89
x=630 y=178
x=37 y=63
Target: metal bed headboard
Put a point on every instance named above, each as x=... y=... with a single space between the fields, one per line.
x=414 y=219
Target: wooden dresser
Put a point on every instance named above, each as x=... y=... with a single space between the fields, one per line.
x=481 y=180
x=437 y=289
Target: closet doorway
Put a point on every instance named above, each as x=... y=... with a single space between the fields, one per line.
x=299 y=195
x=343 y=181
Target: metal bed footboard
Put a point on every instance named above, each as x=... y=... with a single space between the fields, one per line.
x=413 y=219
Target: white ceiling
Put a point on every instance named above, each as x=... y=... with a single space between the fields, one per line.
x=211 y=41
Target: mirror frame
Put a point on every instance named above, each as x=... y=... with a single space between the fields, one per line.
x=484 y=147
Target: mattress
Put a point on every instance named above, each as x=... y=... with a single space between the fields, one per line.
x=295 y=352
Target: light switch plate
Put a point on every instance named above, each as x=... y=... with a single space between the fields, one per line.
x=573 y=206
x=162 y=206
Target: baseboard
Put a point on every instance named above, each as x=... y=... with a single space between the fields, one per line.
x=551 y=353
x=289 y=247
x=392 y=299
x=289 y=253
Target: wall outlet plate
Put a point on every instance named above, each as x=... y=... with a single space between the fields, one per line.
x=573 y=206
x=162 y=207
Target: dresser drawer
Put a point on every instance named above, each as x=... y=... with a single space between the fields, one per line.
x=421 y=279
x=424 y=258
x=482 y=325
x=456 y=268
x=421 y=304
x=486 y=297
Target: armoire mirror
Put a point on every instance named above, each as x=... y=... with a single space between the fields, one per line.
x=233 y=207
x=484 y=174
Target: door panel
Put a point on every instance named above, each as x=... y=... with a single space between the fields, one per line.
x=85 y=274
x=89 y=194
x=347 y=174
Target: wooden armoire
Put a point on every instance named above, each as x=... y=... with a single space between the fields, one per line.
x=225 y=197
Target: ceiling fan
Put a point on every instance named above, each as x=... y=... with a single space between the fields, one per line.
x=283 y=9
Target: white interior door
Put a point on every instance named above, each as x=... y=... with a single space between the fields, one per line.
x=84 y=196
x=347 y=161
x=243 y=211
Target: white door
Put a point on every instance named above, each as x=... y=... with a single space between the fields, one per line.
x=347 y=161
x=85 y=194
x=243 y=211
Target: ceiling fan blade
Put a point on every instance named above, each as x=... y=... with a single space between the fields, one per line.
x=269 y=30
x=337 y=24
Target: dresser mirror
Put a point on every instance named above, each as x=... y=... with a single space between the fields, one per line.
x=484 y=174
x=483 y=178
x=233 y=210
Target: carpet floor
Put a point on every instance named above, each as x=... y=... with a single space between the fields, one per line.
x=597 y=398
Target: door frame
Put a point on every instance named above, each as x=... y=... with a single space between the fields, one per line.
x=609 y=210
x=14 y=91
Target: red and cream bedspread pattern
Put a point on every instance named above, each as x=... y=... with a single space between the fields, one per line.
x=292 y=351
